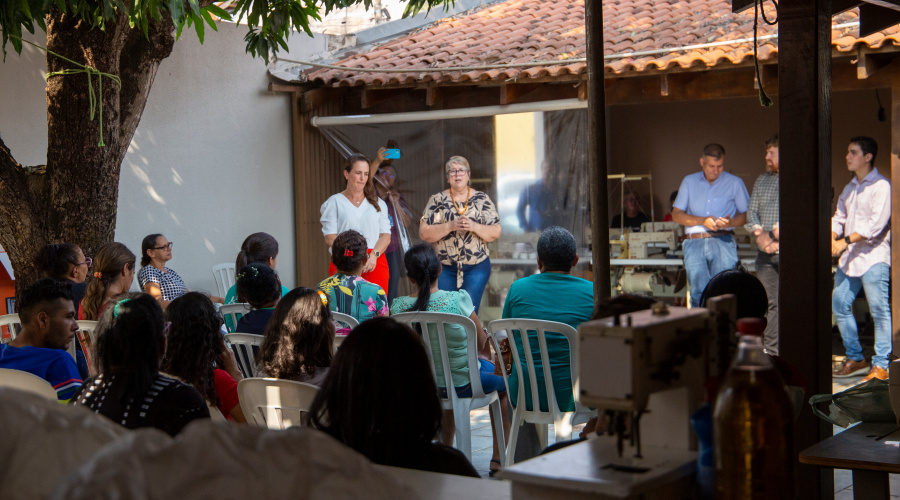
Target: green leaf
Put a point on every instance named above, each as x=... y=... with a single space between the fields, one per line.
x=195 y=6
x=199 y=26
x=209 y=20
x=218 y=12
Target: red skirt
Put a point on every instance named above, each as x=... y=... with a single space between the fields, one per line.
x=380 y=275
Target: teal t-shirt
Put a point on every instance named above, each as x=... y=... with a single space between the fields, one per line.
x=231 y=298
x=553 y=297
x=443 y=301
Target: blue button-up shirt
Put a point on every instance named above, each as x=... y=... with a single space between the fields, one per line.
x=725 y=197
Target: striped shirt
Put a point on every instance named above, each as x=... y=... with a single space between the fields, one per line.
x=762 y=211
x=53 y=365
x=864 y=208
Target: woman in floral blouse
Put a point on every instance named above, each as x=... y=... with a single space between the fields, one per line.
x=347 y=291
x=459 y=223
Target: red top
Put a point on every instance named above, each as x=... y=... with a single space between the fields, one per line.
x=226 y=390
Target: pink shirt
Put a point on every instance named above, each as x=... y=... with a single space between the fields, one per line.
x=864 y=208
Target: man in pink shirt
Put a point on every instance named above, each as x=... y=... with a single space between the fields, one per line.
x=861 y=236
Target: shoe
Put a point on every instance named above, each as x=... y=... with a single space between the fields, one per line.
x=876 y=372
x=851 y=368
x=494 y=471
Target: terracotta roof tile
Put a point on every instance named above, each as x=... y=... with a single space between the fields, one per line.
x=523 y=31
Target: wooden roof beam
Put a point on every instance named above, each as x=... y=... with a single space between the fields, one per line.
x=438 y=95
x=874 y=18
x=867 y=64
x=372 y=97
x=510 y=93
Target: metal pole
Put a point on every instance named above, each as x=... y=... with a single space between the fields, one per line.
x=593 y=14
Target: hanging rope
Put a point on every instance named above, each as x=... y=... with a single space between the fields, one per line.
x=763 y=97
x=95 y=100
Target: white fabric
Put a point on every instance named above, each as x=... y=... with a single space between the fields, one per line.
x=864 y=208
x=339 y=215
x=214 y=460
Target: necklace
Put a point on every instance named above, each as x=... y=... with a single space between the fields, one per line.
x=357 y=203
x=466 y=206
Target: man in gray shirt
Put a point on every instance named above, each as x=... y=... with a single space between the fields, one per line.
x=762 y=221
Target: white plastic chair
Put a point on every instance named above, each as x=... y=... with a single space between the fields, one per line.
x=245 y=347
x=346 y=319
x=234 y=311
x=224 y=274
x=461 y=407
x=13 y=323
x=517 y=330
x=215 y=415
x=88 y=340
x=274 y=403
x=24 y=381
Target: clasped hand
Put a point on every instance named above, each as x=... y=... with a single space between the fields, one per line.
x=716 y=223
x=462 y=224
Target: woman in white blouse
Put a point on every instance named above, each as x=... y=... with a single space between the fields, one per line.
x=358 y=207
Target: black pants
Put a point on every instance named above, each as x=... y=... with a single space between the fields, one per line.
x=767 y=272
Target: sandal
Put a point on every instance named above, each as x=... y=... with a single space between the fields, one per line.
x=494 y=471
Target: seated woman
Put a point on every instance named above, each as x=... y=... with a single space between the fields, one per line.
x=155 y=278
x=389 y=415
x=131 y=342
x=258 y=286
x=347 y=291
x=113 y=274
x=423 y=269
x=299 y=341
x=197 y=353
x=258 y=247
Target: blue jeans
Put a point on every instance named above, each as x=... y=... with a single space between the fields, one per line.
x=705 y=258
x=876 y=283
x=475 y=278
x=489 y=382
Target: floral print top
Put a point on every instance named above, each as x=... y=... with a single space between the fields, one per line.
x=350 y=294
x=460 y=248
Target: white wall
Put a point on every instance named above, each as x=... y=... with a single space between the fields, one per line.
x=211 y=161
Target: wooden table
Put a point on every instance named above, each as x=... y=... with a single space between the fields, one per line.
x=859 y=449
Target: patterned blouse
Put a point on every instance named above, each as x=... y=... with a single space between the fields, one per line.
x=350 y=294
x=170 y=284
x=465 y=248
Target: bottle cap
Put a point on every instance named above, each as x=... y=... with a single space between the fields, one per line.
x=751 y=326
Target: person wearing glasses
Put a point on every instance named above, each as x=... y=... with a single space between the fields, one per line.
x=112 y=277
x=164 y=284
x=398 y=215
x=459 y=223
x=65 y=262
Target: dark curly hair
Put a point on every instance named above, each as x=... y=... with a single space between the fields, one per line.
x=299 y=337
x=195 y=343
x=55 y=260
x=257 y=285
x=348 y=252
x=359 y=403
x=129 y=334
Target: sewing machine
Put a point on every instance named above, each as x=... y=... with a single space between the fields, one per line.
x=650 y=369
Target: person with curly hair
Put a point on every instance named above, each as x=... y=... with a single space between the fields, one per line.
x=130 y=390
x=113 y=274
x=348 y=292
x=197 y=353
x=299 y=341
x=258 y=286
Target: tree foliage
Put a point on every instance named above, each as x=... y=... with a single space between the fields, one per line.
x=269 y=22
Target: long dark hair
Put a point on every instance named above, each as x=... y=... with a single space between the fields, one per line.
x=348 y=251
x=111 y=259
x=423 y=266
x=258 y=247
x=147 y=243
x=359 y=403
x=299 y=337
x=369 y=190
x=54 y=260
x=194 y=343
x=257 y=285
x=128 y=343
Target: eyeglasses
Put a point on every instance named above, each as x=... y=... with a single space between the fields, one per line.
x=458 y=171
x=87 y=261
x=389 y=176
x=167 y=245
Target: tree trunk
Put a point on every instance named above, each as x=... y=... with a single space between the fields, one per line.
x=75 y=199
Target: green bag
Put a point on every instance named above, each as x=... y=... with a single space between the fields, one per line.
x=866 y=402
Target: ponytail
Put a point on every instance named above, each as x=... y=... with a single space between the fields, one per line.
x=423 y=266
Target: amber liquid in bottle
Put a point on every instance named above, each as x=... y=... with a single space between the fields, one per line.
x=753 y=429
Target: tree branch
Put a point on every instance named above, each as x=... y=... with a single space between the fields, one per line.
x=12 y=175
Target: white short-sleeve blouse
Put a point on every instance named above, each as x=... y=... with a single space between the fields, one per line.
x=339 y=215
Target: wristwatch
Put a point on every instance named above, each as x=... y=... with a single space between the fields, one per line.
x=847 y=240
x=377 y=254
x=772 y=235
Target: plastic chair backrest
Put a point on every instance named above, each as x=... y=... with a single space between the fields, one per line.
x=346 y=319
x=517 y=330
x=88 y=341
x=13 y=325
x=215 y=415
x=420 y=321
x=224 y=274
x=245 y=347
x=275 y=403
x=234 y=311
x=25 y=381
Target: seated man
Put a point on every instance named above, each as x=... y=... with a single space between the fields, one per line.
x=48 y=321
x=633 y=215
x=552 y=295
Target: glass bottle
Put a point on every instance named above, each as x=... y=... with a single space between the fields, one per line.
x=753 y=424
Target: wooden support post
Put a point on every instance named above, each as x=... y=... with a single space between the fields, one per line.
x=895 y=203
x=663 y=86
x=804 y=60
x=593 y=14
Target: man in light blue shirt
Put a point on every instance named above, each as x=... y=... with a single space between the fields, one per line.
x=710 y=204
